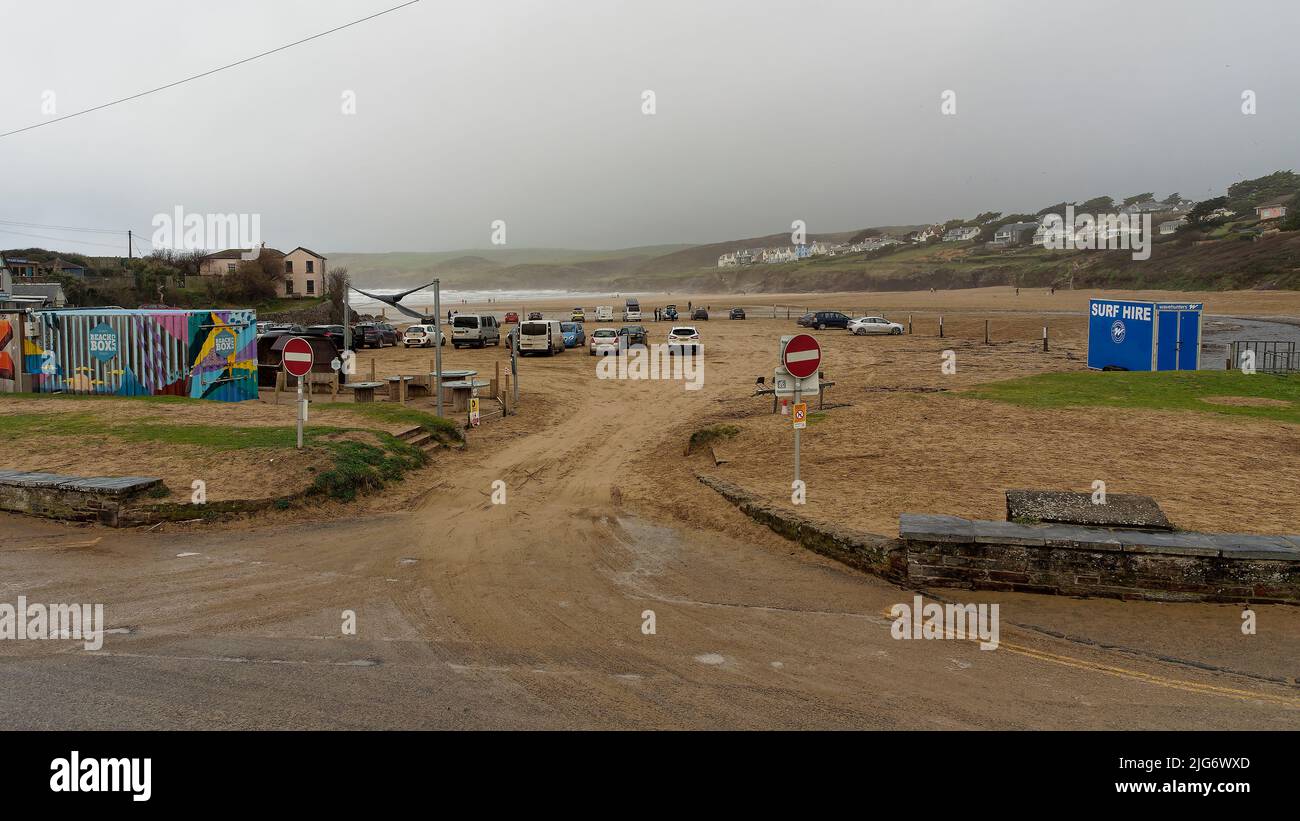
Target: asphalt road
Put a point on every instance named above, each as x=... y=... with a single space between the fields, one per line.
x=533 y=614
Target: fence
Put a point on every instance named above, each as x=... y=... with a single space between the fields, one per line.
x=1269 y=356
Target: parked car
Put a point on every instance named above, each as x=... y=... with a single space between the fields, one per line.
x=475 y=330
x=374 y=335
x=670 y=312
x=632 y=311
x=823 y=319
x=511 y=317
x=332 y=332
x=603 y=341
x=700 y=315
x=633 y=335
x=737 y=313
x=574 y=336
x=578 y=315
x=421 y=336
x=873 y=325
x=534 y=314
x=683 y=340
x=604 y=313
x=541 y=336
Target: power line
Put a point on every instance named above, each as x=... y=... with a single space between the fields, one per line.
x=62 y=227
x=206 y=73
x=61 y=239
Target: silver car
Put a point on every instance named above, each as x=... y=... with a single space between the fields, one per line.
x=873 y=325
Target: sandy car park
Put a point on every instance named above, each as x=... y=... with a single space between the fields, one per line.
x=606 y=519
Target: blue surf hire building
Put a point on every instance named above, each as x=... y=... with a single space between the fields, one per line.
x=1144 y=336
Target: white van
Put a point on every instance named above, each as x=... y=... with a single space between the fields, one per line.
x=476 y=330
x=541 y=336
x=604 y=313
x=632 y=311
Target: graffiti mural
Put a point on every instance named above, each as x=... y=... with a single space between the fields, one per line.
x=11 y=359
x=200 y=354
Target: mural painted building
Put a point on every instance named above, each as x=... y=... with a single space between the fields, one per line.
x=199 y=354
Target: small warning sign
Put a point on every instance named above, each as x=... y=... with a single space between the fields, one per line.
x=801 y=415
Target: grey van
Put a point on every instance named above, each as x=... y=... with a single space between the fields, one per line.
x=475 y=330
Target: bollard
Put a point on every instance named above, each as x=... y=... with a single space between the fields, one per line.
x=941 y=326
x=372 y=371
x=986 y=332
x=1044 y=337
x=909 y=324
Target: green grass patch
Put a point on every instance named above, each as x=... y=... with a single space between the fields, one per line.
x=444 y=430
x=707 y=436
x=360 y=467
x=1165 y=390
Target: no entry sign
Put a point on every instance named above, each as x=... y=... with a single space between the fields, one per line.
x=802 y=356
x=297 y=356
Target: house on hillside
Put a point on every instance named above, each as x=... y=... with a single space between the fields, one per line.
x=58 y=265
x=220 y=263
x=1012 y=234
x=28 y=294
x=1145 y=207
x=303 y=269
x=1172 y=226
x=1271 y=211
x=21 y=268
x=962 y=233
x=727 y=260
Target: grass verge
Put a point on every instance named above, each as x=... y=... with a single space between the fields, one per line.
x=1260 y=395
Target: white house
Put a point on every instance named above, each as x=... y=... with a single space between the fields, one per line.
x=962 y=233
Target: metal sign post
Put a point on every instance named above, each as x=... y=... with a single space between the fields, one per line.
x=437 y=346
x=798 y=397
x=801 y=357
x=297 y=357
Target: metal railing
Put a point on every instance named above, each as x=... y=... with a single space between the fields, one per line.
x=1268 y=356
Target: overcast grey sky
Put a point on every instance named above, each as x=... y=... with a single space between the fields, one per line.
x=531 y=112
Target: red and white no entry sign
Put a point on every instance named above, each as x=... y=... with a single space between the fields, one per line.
x=802 y=356
x=297 y=356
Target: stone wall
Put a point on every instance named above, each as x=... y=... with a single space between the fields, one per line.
x=947 y=551
x=71 y=497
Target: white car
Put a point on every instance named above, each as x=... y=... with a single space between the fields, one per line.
x=420 y=336
x=684 y=339
x=873 y=325
x=604 y=313
x=603 y=341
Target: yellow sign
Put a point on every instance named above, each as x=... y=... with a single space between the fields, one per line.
x=473 y=412
x=801 y=415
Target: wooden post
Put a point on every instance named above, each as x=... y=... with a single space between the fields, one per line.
x=941 y=326
x=401 y=388
x=909 y=324
x=986 y=332
x=279 y=384
x=1044 y=337
x=372 y=370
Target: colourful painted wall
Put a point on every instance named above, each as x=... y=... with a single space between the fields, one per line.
x=201 y=354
